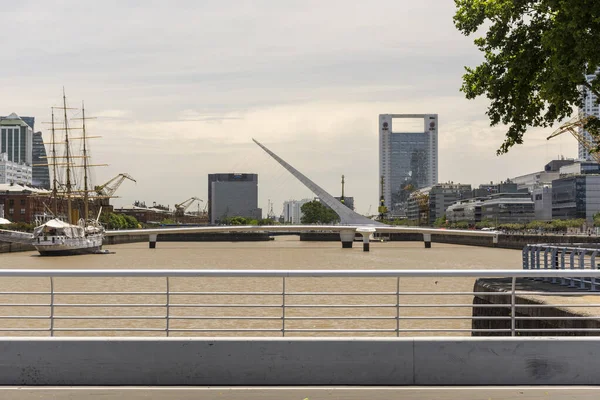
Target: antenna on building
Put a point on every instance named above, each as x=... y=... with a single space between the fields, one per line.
x=270 y=214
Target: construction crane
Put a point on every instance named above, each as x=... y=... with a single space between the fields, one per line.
x=573 y=126
x=180 y=208
x=109 y=188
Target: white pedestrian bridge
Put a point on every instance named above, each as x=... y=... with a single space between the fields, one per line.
x=347 y=232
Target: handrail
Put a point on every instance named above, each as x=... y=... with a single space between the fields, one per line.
x=275 y=307
x=301 y=273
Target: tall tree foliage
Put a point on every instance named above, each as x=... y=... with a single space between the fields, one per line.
x=537 y=53
x=314 y=212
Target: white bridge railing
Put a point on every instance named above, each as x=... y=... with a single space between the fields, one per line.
x=285 y=302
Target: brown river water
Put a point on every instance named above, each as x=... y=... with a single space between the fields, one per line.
x=286 y=252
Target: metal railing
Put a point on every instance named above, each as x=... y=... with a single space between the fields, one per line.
x=292 y=302
x=563 y=257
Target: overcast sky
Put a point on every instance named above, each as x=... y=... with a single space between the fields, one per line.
x=181 y=87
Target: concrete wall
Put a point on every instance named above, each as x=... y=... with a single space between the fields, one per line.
x=299 y=361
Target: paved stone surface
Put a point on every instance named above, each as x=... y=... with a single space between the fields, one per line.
x=299 y=393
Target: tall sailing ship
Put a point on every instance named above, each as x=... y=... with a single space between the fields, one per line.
x=70 y=235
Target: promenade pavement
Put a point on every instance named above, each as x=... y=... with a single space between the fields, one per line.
x=299 y=393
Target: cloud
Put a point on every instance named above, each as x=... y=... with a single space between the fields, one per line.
x=182 y=87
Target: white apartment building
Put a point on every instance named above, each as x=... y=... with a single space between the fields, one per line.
x=292 y=210
x=16 y=148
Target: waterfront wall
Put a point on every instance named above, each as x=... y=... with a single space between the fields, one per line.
x=298 y=361
x=539 y=324
x=15 y=247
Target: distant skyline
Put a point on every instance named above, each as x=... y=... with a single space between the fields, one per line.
x=180 y=88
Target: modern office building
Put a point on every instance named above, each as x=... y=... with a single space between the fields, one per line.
x=465 y=211
x=406 y=159
x=508 y=208
x=542 y=202
x=15 y=150
x=292 y=210
x=233 y=195
x=590 y=107
x=439 y=198
x=576 y=196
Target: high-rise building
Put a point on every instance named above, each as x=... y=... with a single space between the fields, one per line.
x=407 y=160
x=233 y=195
x=15 y=150
x=590 y=107
x=40 y=171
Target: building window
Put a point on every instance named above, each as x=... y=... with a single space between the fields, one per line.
x=22 y=202
x=22 y=211
x=11 y=210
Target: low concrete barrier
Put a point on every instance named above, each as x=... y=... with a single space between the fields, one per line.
x=299 y=361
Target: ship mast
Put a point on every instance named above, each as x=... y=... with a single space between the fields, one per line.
x=85 y=169
x=68 y=157
x=55 y=178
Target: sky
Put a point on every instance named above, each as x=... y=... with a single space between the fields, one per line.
x=180 y=88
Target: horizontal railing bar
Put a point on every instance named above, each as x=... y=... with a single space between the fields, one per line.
x=109 y=329
x=559 y=330
x=223 y=330
x=453 y=330
x=519 y=305
x=24 y=329
x=304 y=273
x=108 y=305
x=185 y=317
x=225 y=305
x=559 y=318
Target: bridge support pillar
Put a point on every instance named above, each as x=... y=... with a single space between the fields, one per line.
x=366 y=234
x=152 y=241
x=427 y=240
x=347 y=238
x=495 y=241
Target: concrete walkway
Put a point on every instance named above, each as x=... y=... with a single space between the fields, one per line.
x=299 y=393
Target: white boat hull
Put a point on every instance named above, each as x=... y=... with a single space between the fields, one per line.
x=62 y=246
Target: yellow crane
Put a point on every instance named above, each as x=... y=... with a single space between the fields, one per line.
x=575 y=127
x=109 y=188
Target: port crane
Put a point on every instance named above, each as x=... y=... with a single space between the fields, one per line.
x=575 y=127
x=108 y=189
x=181 y=207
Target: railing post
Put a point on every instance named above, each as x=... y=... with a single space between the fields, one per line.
x=397 y=306
x=554 y=256
x=563 y=254
x=572 y=266
x=593 y=267
x=283 y=307
x=546 y=251
x=525 y=255
x=512 y=306
x=582 y=266
x=51 y=306
x=538 y=265
x=168 y=306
